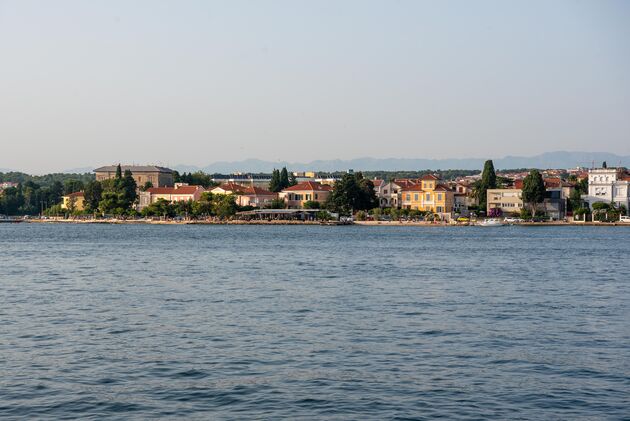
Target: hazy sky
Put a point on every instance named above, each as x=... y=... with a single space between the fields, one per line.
x=85 y=83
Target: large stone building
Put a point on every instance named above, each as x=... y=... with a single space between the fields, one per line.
x=158 y=176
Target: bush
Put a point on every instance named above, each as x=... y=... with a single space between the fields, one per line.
x=360 y=216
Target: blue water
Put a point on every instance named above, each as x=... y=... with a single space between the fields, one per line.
x=310 y=322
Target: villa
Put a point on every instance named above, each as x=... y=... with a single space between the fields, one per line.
x=296 y=196
x=181 y=192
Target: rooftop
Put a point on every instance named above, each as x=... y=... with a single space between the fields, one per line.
x=134 y=168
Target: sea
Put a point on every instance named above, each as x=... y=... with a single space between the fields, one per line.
x=214 y=322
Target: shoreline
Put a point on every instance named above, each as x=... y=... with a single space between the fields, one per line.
x=329 y=223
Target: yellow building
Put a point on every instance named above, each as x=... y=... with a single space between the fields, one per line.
x=427 y=194
x=74 y=201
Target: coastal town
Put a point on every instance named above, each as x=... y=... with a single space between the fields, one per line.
x=154 y=193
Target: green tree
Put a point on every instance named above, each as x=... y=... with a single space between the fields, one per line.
x=225 y=205
x=533 y=190
x=128 y=188
x=277 y=204
x=488 y=181
x=274 y=184
x=118 y=172
x=146 y=186
x=284 y=178
x=92 y=195
x=352 y=193
x=311 y=204
x=72 y=186
x=292 y=180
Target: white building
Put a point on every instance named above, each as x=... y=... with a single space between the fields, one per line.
x=387 y=193
x=609 y=185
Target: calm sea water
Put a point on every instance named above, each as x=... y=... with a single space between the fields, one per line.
x=309 y=322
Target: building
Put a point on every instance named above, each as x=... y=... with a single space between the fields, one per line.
x=255 y=196
x=608 y=185
x=508 y=200
x=181 y=192
x=229 y=188
x=388 y=193
x=157 y=176
x=427 y=194
x=463 y=197
x=74 y=201
x=296 y=196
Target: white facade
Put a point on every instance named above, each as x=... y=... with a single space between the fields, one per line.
x=388 y=194
x=607 y=185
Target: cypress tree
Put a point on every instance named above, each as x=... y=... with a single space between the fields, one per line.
x=488 y=181
x=284 y=178
x=274 y=184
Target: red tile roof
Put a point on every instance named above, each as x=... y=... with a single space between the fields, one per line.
x=173 y=190
x=257 y=191
x=309 y=186
x=429 y=177
x=76 y=194
x=232 y=187
x=413 y=187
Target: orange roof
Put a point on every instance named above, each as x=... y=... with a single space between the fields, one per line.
x=232 y=187
x=377 y=182
x=258 y=191
x=429 y=177
x=441 y=187
x=76 y=194
x=412 y=187
x=404 y=182
x=173 y=190
x=309 y=186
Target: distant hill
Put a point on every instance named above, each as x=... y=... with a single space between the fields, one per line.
x=558 y=159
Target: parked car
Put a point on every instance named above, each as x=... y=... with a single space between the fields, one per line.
x=510 y=220
x=625 y=219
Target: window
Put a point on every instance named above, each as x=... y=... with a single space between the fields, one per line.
x=415 y=197
x=439 y=209
x=428 y=196
x=316 y=196
x=408 y=196
x=385 y=191
x=439 y=196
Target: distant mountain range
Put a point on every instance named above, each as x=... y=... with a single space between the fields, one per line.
x=546 y=160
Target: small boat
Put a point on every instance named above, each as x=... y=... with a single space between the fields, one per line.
x=491 y=222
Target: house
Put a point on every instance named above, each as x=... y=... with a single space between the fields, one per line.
x=296 y=196
x=463 y=197
x=74 y=201
x=181 y=192
x=255 y=196
x=508 y=200
x=428 y=194
x=388 y=193
x=229 y=188
x=609 y=185
x=157 y=176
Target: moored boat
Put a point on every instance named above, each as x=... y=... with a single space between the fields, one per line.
x=491 y=222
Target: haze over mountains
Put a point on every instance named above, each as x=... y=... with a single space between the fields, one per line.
x=558 y=159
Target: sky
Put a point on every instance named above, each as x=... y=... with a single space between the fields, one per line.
x=84 y=84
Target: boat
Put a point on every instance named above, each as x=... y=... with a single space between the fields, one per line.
x=491 y=222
